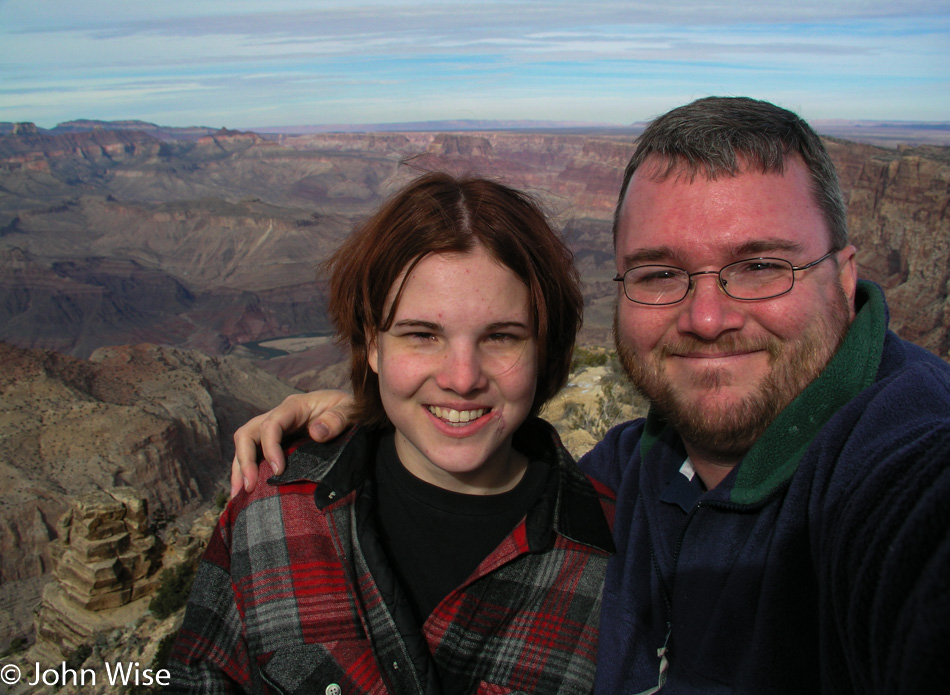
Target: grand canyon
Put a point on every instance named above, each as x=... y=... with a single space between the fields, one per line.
x=158 y=286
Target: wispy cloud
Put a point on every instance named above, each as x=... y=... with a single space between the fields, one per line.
x=294 y=62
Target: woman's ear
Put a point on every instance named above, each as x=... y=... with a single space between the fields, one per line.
x=372 y=354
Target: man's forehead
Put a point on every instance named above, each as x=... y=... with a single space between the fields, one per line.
x=656 y=174
x=679 y=218
x=680 y=254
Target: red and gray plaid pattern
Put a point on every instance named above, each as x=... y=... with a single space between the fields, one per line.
x=284 y=600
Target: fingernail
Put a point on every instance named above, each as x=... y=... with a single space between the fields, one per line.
x=245 y=483
x=321 y=430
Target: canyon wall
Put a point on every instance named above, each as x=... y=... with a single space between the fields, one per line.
x=159 y=419
x=115 y=237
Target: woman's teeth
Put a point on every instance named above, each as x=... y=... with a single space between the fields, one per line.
x=456 y=416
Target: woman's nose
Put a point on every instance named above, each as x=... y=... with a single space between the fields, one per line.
x=462 y=370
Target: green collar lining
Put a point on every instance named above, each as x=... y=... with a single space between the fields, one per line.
x=775 y=456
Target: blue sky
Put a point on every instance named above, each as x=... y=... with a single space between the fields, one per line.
x=242 y=64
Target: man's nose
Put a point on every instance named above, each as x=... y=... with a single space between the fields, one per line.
x=708 y=311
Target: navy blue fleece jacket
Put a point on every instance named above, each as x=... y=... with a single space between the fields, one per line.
x=821 y=564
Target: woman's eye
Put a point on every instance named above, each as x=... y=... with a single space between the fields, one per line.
x=503 y=337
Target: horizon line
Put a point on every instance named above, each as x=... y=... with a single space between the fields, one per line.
x=443 y=123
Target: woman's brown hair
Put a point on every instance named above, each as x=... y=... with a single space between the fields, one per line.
x=438 y=213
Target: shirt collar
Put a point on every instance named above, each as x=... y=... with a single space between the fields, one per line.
x=569 y=505
x=775 y=456
x=683 y=487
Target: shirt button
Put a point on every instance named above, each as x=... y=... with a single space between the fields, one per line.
x=333 y=689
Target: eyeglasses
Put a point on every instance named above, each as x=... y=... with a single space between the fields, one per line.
x=748 y=279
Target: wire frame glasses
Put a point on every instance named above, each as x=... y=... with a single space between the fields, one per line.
x=748 y=280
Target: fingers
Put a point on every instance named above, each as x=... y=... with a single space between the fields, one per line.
x=244 y=465
x=325 y=414
x=272 y=430
x=291 y=416
x=241 y=478
x=237 y=479
x=334 y=421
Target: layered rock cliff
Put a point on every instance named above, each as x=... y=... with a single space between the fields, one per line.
x=898 y=216
x=105 y=557
x=107 y=605
x=159 y=419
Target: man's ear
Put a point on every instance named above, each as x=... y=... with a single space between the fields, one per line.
x=848 y=273
x=372 y=353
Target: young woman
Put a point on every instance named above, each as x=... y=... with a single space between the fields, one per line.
x=447 y=544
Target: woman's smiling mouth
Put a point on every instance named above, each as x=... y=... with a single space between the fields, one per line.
x=457 y=417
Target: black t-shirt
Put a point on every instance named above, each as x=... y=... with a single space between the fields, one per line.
x=435 y=538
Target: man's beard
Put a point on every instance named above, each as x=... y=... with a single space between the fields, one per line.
x=730 y=429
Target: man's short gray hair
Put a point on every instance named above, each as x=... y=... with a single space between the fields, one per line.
x=718 y=136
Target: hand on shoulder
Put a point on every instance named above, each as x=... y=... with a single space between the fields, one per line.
x=325 y=414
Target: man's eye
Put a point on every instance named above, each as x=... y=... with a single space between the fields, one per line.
x=659 y=275
x=759 y=266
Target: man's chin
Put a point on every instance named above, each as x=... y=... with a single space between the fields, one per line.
x=717 y=407
x=713 y=404
x=725 y=421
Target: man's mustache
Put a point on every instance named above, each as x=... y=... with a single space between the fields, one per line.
x=722 y=345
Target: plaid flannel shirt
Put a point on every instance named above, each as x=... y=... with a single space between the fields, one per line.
x=284 y=599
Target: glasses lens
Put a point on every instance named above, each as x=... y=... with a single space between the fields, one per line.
x=655 y=284
x=757 y=278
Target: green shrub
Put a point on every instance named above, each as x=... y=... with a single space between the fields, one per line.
x=78 y=657
x=163 y=651
x=586 y=357
x=17 y=644
x=159 y=661
x=617 y=402
x=173 y=590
